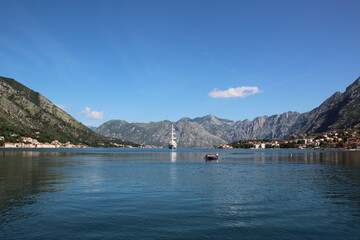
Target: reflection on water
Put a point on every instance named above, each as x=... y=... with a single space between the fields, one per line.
x=176 y=194
x=341 y=158
x=173 y=156
x=23 y=178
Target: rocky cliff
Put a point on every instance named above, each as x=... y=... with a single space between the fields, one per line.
x=341 y=110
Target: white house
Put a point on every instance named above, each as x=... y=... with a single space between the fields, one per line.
x=10 y=145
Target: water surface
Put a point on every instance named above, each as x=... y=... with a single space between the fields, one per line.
x=159 y=194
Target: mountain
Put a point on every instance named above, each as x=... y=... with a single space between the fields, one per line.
x=339 y=111
x=92 y=128
x=189 y=134
x=200 y=132
x=24 y=112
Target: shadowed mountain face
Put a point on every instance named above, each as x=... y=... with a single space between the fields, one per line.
x=339 y=111
x=24 y=112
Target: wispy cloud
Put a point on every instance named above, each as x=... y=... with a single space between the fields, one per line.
x=32 y=46
x=239 y=92
x=95 y=115
x=86 y=110
x=63 y=107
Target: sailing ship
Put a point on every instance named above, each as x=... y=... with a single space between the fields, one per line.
x=172 y=143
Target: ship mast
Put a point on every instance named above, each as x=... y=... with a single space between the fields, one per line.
x=172 y=133
x=172 y=143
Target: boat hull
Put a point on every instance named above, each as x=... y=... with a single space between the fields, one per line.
x=211 y=157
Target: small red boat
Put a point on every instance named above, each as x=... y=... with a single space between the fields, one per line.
x=209 y=157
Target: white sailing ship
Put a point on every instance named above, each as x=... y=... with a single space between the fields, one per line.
x=172 y=143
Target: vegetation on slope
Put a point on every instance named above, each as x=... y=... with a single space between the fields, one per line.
x=24 y=112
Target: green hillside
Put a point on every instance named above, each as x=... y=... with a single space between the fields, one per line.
x=24 y=112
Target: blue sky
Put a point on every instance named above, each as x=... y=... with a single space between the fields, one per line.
x=150 y=60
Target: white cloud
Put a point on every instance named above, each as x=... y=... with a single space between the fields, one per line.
x=240 y=92
x=95 y=115
x=63 y=107
x=86 y=110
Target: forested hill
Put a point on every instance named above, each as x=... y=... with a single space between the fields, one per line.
x=24 y=112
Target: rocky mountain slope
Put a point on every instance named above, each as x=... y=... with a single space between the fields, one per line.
x=200 y=132
x=339 y=111
x=24 y=112
x=189 y=134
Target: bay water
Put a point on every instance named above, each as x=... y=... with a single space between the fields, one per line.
x=164 y=194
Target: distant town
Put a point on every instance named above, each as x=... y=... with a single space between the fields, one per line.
x=348 y=139
x=28 y=142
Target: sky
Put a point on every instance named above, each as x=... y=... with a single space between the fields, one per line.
x=153 y=60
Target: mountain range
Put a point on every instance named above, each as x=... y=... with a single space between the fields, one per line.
x=24 y=112
x=339 y=111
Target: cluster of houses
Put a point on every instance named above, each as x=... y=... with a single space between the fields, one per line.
x=339 y=139
x=28 y=142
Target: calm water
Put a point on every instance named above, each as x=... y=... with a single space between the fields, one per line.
x=157 y=194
